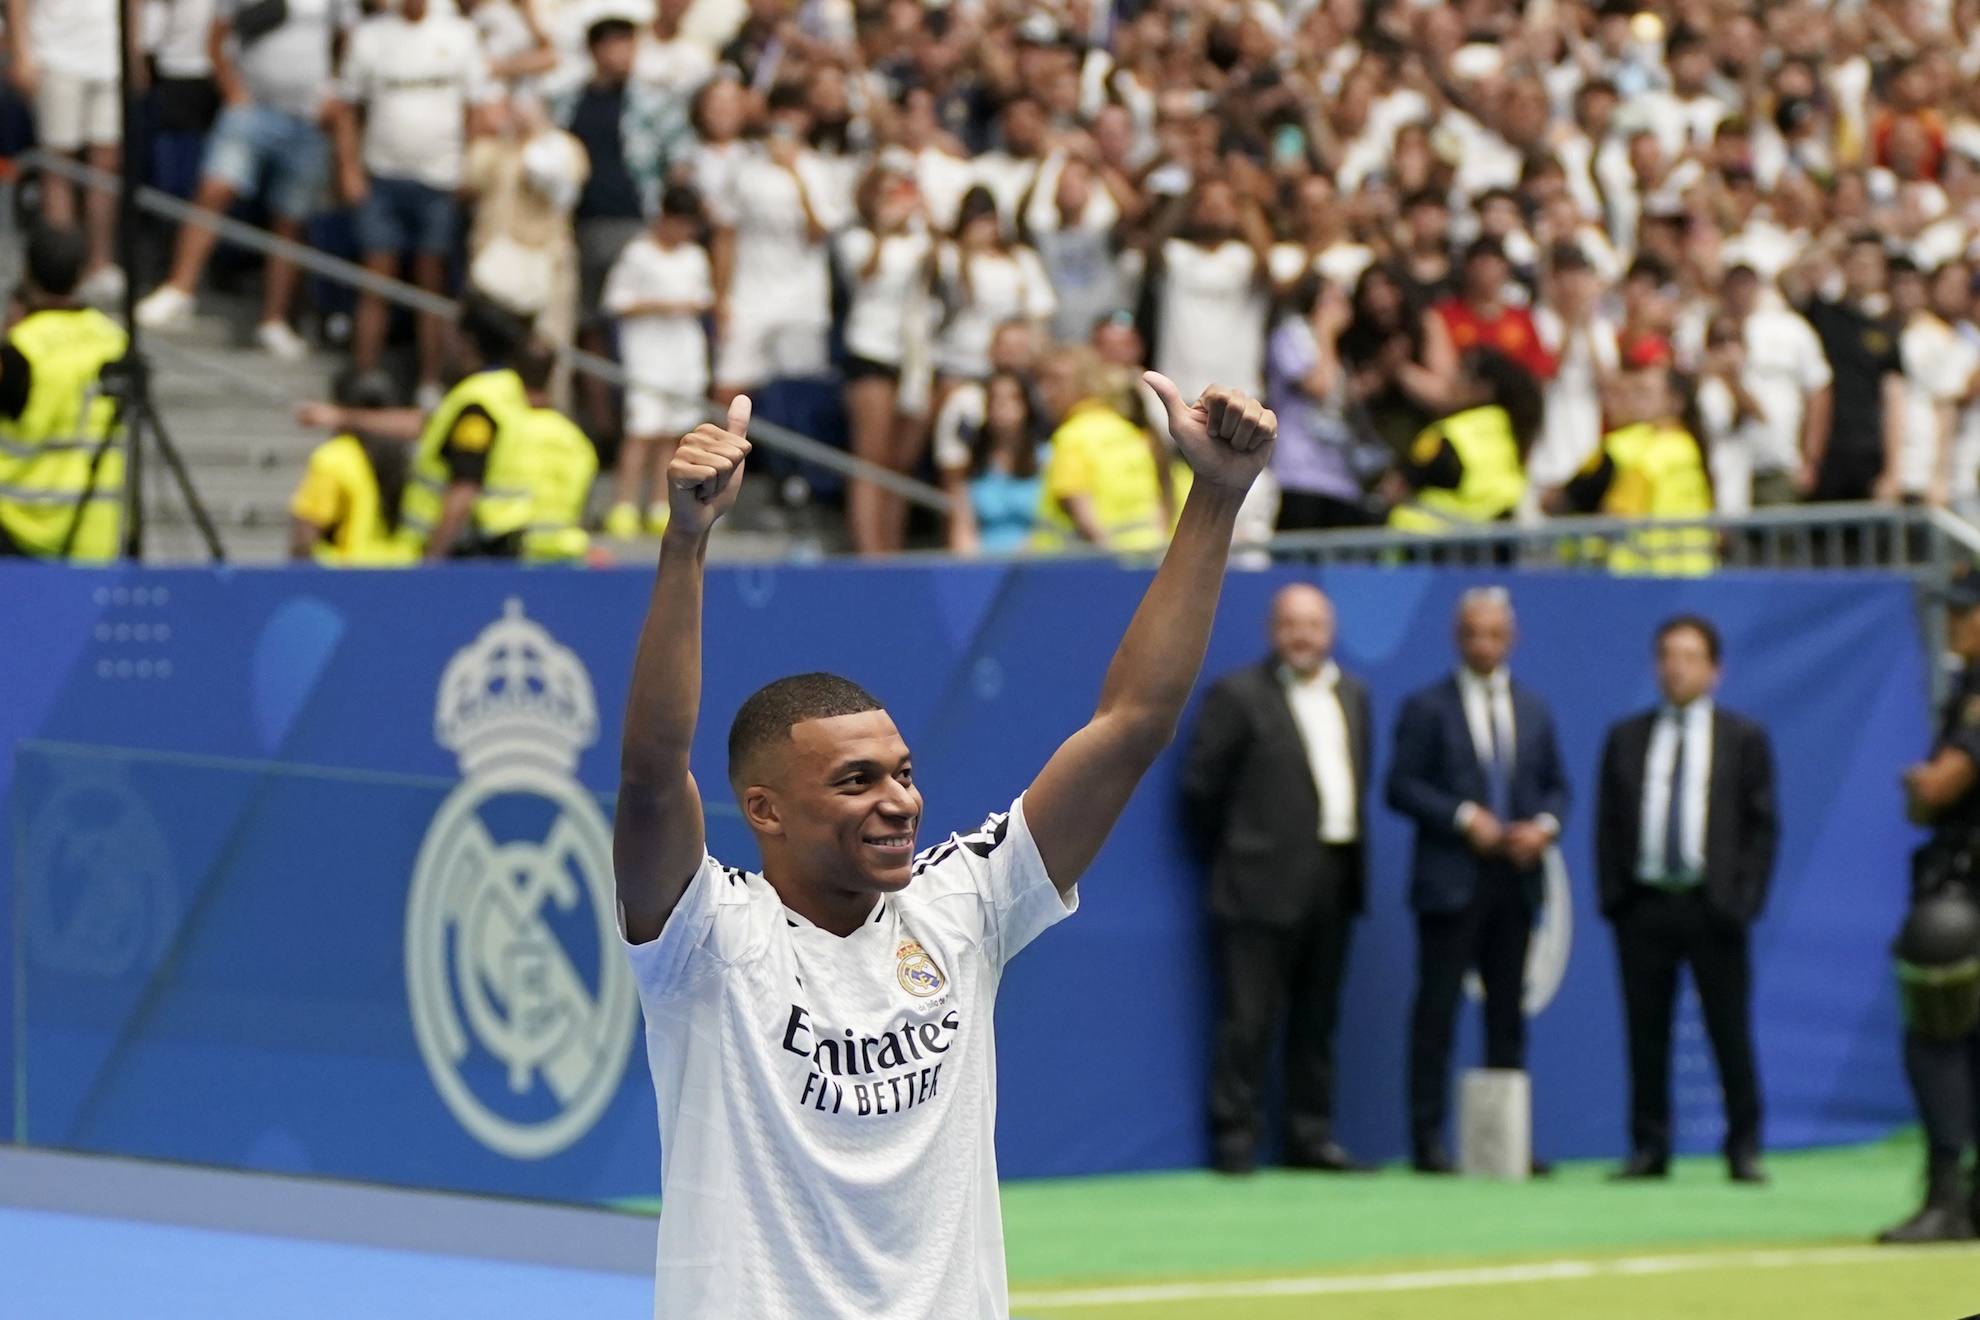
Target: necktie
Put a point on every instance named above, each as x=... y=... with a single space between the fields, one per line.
x=1674 y=865
x=1499 y=769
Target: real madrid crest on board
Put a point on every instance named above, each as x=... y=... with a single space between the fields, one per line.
x=523 y=1006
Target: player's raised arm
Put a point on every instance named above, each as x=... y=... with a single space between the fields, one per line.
x=1226 y=436
x=658 y=839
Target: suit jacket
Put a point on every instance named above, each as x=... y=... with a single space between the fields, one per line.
x=1742 y=826
x=1435 y=770
x=1252 y=805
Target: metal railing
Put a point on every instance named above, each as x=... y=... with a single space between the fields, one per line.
x=769 y=435
x=1930 y=543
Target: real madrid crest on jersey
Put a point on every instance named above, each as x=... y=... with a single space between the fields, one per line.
x=918 y=973
x=523 y=1007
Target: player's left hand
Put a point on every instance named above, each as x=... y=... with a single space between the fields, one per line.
x=1225 y=436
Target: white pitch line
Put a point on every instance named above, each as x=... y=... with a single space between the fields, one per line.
x=1480 y=1276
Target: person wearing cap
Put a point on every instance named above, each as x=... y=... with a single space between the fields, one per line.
x=1942 y=1063
x=1686 y=830
x=1480 y=317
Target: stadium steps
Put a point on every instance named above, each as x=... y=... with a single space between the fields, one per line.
x=230 y=408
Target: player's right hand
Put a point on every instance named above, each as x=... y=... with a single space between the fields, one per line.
x=706 y=473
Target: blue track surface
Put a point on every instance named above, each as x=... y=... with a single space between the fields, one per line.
x=77 y=1267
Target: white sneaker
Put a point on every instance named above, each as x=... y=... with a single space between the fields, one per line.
x=164 y=308
x=104 y=288
x=427 y=397
x=279 y=339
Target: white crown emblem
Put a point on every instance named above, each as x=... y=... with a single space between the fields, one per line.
x=515 y=693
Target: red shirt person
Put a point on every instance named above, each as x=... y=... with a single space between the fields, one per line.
x=1479 y=316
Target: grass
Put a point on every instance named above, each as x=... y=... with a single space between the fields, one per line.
x=1284 y=1245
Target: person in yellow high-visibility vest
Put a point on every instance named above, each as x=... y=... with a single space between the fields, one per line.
x=1650 y=466
x=61 y=469
x=1470 y=467
x=1103 y=481
x=556 y=462
x=467 y=499
x=345 y=512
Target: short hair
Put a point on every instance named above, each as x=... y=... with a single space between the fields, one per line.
x=1648 y=267
x=370 y=387
x=536 y=363
x=605 y=29
x=787 y=96
x=1698 y=623
x=496 y=332
x=1480 y=597
x=682 y=202
x=770 y=711
x=55 y=257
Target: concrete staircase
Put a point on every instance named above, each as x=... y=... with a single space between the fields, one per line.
x=229 y=408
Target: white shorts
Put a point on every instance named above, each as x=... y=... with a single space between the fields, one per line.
x=71 y=113
x=648 y=413
x=755 y=351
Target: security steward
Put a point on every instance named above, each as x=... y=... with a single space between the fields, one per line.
x=346 y=510
x=556 y=465
x=467 y=498
x=61 y=470
x=1470 y=467
x=1649 y=467
x=1938 y=949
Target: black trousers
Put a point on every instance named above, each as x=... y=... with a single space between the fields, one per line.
x=1270 y=972
x=1656 y=933
x=1490 y=934
x=1945 y=1080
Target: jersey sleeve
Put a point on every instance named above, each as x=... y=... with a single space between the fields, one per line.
x=469 y=439
x=998 y=862
x=1070 y=470
x=320 y=499
x=713 y=927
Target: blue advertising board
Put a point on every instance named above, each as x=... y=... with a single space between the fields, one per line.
x=311 y=870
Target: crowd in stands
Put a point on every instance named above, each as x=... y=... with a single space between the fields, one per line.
x=1487 y=260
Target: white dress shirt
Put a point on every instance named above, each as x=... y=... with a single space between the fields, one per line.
x=1316 y=709
x=1488 y=713
x=1696 y=723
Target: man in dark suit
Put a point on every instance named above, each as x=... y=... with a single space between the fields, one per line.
x=1685 y=834
x=1273 y=787
x=1477 y=768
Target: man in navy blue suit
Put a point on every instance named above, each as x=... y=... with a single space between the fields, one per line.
x=1477 y=768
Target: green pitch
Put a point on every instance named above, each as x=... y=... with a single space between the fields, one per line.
x=1286 y=1246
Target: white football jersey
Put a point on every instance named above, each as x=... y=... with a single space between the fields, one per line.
x=827 y=1105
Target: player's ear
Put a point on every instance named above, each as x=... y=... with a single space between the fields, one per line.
x=760 y=810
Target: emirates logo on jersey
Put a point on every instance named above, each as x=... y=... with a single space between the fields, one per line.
x=918 y=974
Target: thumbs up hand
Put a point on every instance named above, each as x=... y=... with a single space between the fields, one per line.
x=706 y=472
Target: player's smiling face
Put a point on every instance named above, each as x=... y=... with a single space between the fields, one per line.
x=845 y=807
